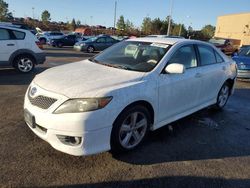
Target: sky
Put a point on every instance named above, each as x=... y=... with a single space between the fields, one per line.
x=195 y=13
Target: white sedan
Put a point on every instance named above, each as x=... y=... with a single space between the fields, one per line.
x=111 y=101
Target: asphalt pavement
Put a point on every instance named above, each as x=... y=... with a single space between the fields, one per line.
x=206 y=149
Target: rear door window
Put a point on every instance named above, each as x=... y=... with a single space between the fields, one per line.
x=4 y=34
x=207 y=56
x=219 y=59
x=18 y=35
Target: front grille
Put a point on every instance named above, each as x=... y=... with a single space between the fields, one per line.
x=41 y=101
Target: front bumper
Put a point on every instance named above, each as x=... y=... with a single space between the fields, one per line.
x=243 y=73
x=94 y=128
x=80 y=48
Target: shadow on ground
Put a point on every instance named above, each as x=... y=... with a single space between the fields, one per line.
x=169 y=182
x=9 y=76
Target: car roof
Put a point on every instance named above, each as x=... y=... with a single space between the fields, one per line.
x=13 y=28
x=169 y=41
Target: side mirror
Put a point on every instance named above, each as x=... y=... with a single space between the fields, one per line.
x=175 y=68
x=235 y=54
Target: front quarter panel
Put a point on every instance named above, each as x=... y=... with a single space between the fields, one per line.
x=126 y=94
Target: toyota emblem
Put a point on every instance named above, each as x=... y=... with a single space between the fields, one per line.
x=33 y=91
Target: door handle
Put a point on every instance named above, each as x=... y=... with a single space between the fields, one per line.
x=10 y=44
x=198 y=75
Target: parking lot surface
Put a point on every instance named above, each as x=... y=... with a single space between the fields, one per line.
x=206 y=149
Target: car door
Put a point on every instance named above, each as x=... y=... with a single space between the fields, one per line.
x=211 y=71
x=109 y=42
x=71 y=40
x=7 y=45
x=178 y=93
x=100 y=44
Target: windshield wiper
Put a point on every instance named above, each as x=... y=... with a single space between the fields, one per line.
x=110 y=65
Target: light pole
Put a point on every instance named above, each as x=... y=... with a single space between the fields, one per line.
x=33 y=15
x=170 y=17
x=115 y=14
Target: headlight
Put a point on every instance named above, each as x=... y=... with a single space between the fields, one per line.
x=82 y=105
x=82 y=44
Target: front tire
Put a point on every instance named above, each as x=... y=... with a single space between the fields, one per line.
x=130 y=129
x=24 y=63
x=223 y=96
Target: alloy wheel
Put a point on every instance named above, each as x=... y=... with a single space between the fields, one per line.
x=133 y=130
x=25 y=65
x=223 y=96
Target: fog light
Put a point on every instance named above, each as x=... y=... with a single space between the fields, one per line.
x=70 y=140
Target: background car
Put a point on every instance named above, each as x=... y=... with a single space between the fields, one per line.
x=227 y=46
x=243 y=62
x=19 y=48
x=45 y=37
x=98 y=43
x=68 y=40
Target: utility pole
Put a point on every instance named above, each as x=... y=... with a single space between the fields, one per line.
x=33 y=14
x=115 y=17
x=170 y=17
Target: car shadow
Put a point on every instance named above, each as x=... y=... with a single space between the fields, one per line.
x=9 y=76
x=167 y=182
x=206 y=134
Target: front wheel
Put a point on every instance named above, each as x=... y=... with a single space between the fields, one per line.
x=223 y=96
x=24 y=63
x=130 y=129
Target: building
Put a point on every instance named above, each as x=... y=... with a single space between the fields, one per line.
x=234 y=26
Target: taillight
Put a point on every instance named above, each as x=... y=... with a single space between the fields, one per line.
x=39 y=45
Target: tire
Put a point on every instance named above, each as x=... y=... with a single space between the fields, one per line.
x=24 y=63
x=90 y=49
x=223 y=96
x=59 y=45
x=130 y=129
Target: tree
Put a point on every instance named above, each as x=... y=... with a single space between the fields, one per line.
x=78 y=23
x=45 y=17
x=73 y=24
x=147 y=26
x=5 y=15
x=121 y=23
x=208 y=31
x=129 y=26
x=156 y=26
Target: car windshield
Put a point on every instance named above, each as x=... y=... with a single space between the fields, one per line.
x=133 y=55
x=91 y=39
x=245 y=51
x=217 y=41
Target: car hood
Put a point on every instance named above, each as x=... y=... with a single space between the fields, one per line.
x=242 y=59
x=84 y=79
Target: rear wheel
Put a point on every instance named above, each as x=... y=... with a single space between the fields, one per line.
x=130 y=129
x=223 y=96
x=60 y=45
x=24 y=63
